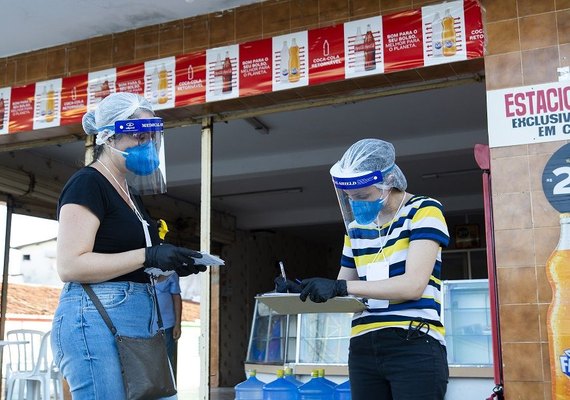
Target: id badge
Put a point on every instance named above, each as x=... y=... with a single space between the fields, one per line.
x=376 y=272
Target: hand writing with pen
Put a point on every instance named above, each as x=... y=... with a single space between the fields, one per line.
x=317 y=290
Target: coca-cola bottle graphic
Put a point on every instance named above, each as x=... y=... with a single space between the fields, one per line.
x=218 y=70
x=227 y=74
x=369 y=50
x=359 y=51
x=2 y=110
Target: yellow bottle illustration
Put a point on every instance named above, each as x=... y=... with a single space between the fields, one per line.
x=449 y=37
x=558 y=317
x=50 y=105
x=294 y=62
x=162 y=85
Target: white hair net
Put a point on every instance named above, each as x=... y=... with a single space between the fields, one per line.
x=370 y=155
x=115 y=107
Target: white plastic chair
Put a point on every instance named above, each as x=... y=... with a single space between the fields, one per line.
x=31 y=366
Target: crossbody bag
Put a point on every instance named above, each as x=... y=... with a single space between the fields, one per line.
x=145 y=367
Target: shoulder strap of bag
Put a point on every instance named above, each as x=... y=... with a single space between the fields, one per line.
x=159 y=317
x=100 y=308
x=89 y=290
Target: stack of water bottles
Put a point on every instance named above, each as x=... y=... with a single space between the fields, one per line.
x=287 y=387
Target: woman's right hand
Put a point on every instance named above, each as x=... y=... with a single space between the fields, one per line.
x=168 y=257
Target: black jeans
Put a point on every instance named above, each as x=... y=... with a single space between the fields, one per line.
x=390 y=364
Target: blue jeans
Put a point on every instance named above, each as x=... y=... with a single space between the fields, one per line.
x=390 y=364
x=84 y=348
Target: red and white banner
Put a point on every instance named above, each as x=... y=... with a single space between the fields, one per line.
x=22 y=108
x=190 y=86
x=435 y=34
x=530 y=114
x=130 y=79
x=326 y=55
x=73 y=99
x=255 y=69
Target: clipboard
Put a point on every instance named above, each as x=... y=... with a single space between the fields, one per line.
x=290 y=303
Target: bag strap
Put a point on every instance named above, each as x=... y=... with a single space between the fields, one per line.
x=158 y=315
x=100 y=308
x=89 y=290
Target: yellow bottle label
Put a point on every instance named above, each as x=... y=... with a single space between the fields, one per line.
x=558 y=322
x=294 y=64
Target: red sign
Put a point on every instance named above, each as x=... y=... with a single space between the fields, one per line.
x=73 y=99
x=255 y=69
x=475 y=36
x=403 y=41
x=190 y=79
x=22 y=108
x=326 y=54
x=130 y=79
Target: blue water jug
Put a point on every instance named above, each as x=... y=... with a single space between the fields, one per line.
x=250 y=389
x=325 y=380
x=280 y=389
x=315 y=389
x=291 y=378
x=342 y=391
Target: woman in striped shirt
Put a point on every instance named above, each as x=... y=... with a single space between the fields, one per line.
x=392 y=258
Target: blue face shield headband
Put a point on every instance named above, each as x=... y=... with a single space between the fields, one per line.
x=142 y=159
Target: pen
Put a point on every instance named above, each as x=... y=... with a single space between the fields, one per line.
x=283 y=273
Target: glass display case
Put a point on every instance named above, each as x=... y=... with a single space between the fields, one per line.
x=467 y=322
x=323 y=338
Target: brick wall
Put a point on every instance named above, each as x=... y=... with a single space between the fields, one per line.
x=527 y=41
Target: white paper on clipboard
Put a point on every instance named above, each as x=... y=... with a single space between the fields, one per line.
x=290 y=303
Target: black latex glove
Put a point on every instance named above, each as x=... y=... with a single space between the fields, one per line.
x=286 y=286
x=194 y=269
x=320 y=290
x=168 y=257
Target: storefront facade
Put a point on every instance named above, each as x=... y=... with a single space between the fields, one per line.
x=526 y=42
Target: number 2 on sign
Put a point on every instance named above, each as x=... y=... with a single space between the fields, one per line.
x=562 y=187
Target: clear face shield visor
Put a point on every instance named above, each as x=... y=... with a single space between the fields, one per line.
x=144 y=159
x=361 y=198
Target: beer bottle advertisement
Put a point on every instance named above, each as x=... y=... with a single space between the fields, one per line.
x=556 y=187
x=159 y=85
x=290 y=61
x=444 y=37
x=47 y=104
x=222 y=78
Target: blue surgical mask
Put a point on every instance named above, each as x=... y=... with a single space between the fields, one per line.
x=366 y=211
x=142 y=159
